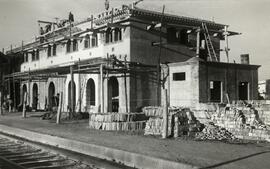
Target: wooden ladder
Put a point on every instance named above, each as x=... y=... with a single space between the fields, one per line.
x=210 y=48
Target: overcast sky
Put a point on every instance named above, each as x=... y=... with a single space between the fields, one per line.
x=18 y=20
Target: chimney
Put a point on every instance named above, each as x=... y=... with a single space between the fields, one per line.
x=245 y=59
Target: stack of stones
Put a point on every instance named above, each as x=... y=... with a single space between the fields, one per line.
x=245 y=121
x=181 y=121
x=213 y=132
x=117 y=121
x=154 y=125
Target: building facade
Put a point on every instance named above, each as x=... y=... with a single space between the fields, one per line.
x=110 y=63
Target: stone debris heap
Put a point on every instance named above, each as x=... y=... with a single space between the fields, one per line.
x=245 y=120
x=213 y=132
x=117 y=121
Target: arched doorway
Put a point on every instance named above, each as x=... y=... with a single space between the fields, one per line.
x=51 y=94
x=113 y=95
x=90 y=94
x=35 y=97
x=24 y=90
x=69 y=96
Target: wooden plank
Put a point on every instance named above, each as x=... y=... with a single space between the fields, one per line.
x=58 y=118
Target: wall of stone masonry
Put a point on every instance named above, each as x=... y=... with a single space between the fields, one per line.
x=245 y=121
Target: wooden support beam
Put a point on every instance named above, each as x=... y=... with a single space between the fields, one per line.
x=24 y=105
x=79 y=86
x=125 y=83
x=165 y=115
x=198 y=43
x=101 y=90
x=1 y=112
x=14 y=95
x=46 y=22
x=226 y=42
x=58 y=117
x=72 y=106
x=29 y=86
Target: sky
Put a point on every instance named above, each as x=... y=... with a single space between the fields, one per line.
x=18 y=20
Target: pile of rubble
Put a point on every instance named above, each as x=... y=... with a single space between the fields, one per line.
x=213 y=132
x=244 y=120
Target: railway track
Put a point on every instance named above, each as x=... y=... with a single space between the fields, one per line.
x=15 y=154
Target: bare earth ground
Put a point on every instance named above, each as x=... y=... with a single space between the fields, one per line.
x=204 y=154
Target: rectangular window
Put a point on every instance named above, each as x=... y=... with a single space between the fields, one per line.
x=33 y=56
x=54 y=49
x=49 y=52
x=26 y=57
x=37 y=54
x=181 y=76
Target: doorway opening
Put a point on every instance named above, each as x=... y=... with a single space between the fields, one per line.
x=51 y=95
x=90 y=94
x=215 y=91
x=113 y=95
x=24 y=90
x=243 y=90
x=35 y=97
x=71 y=102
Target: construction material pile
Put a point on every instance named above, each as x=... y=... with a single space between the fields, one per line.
x=154 y=125
x=181 y=121
x=152 y=111
x=245 y=120
x=117 y=121
x=213 y=132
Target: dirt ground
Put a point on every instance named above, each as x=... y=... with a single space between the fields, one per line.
x=204 y=154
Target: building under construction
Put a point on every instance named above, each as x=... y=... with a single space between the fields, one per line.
x=123 y=58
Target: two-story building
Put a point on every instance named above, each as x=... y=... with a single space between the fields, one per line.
x=111 y=61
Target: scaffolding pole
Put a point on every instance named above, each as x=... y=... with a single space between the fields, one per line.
x=71 y=90
x=101 y=90
x=79 y=86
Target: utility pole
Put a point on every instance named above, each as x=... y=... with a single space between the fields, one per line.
x=159 y=59
x=226 y=42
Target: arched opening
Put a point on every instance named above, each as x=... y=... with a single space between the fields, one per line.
x=68 y=46
x=71 y=102
x=87 y=41
x=117 y=34
x=113 y=95
x=24 y=90
x=54 y=49
x=90 y=94
x=75 y=45
x=49 y=51
x=94 y=40
x=51 y=94
x=108 y=37
x=35 y=97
